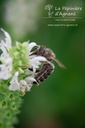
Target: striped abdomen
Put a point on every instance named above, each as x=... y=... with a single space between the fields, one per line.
x=46 y=70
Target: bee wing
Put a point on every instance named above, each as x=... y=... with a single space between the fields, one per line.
x=59 y=63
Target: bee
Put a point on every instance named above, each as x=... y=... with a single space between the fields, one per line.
x=47 y=67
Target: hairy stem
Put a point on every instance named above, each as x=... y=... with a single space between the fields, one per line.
x=10 y=102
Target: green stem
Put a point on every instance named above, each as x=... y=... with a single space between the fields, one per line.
x=10 y=102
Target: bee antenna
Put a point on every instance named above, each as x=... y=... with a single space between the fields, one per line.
x=59 y=63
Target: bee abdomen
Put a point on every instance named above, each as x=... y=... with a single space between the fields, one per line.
x=46 y=70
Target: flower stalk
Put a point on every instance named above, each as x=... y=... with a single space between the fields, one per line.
x=10 y=103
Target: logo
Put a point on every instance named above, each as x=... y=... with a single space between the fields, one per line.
x=67 y=15
x=49 y=8
x=63 y=11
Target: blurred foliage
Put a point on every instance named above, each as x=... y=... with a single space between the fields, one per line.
x=62 y=96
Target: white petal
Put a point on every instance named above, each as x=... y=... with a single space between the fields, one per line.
x=30 y=79
x=4 y=52
x=5 y=69
x=8 y=60
x=35 y=62
x=40 y=58
x=24 y=86
x=35 y=67
x=14 y=84
x=29 y=72
x=31 y=45
x=7 y=44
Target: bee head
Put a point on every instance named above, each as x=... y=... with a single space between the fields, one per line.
x=49 y=54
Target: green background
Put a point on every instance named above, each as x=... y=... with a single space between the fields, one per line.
x=58 y=102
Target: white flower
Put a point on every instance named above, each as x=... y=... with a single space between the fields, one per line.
x=30 y=80
x=6 y=69
x=6 y=66
x=22 y=85
x=4 y=54
x=35 y=62
x=14 y=84
x=7 y=42
x=30 y=46
x=25 y=85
